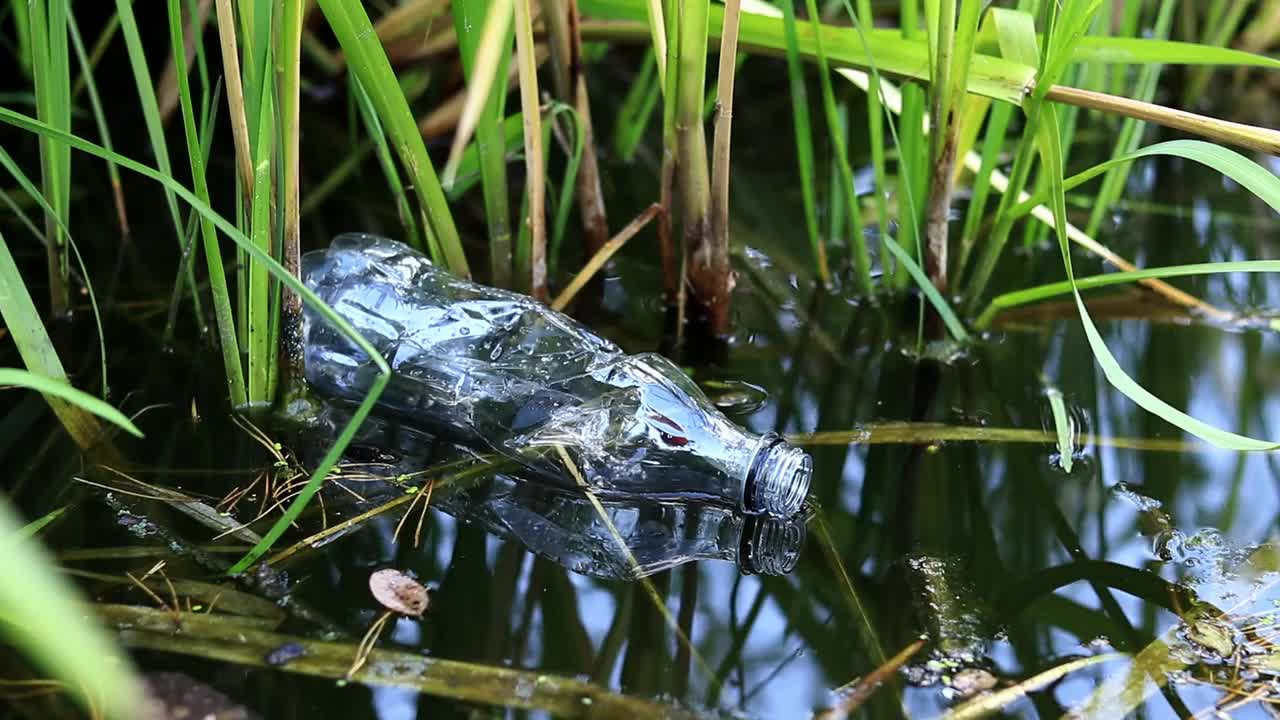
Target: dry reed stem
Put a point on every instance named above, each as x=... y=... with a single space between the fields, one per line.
x=526 y=61
x=235 y=95
x=723 y=129
x=167 y=91
x=602 y=256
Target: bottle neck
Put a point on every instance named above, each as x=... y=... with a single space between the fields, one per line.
x=777 y=478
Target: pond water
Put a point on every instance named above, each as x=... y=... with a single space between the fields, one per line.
x=934 y=513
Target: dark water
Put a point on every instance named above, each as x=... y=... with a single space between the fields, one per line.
x=1006 y=563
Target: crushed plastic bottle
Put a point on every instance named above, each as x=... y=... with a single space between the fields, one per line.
x=497 y=370
x=651 y=535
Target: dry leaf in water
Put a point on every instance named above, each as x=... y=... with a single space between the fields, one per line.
x=398 y=592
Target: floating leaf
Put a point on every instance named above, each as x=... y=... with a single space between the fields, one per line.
x=399 y=593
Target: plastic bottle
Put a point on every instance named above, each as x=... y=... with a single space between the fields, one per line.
x=633 y=538
x=497 y=370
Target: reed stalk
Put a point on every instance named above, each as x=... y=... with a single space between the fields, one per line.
x=289 y=83
x=723 y=132
x=672 y=266
x=708 y=263
x=530 y=108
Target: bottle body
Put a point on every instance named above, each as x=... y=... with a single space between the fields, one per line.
x=497 y=370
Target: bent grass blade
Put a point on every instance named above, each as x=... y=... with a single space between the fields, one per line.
x=277 y=270
x=1051 y=155
x=12 y=377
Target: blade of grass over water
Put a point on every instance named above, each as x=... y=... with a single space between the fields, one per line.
x=334 y=453
x=804 y=141
x=366 y=58
x=227 y=342
x=1027 y=296
x=1255 y=178
x=468 y=19
x=259 y=311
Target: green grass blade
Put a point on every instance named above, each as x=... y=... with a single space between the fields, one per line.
x=637 y=108
x=34 y=527
x=804 y=141
x=51 y=73
x=49 y=387
x=374 y=129
x=1136 y=51
x=1254 y=177
x=367 y=59
x=277 y=271
x=261 y=311
x=45 y=617
x=992 y=149
x=990 y=76
x=213 y=254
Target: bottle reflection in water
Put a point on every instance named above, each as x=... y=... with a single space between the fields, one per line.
x=494 y=369
x=566 y=528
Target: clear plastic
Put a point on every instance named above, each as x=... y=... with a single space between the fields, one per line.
x=634 y=537
x=497 y=370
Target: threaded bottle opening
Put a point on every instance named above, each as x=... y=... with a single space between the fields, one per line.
x=778 y=479
x=771 y=546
